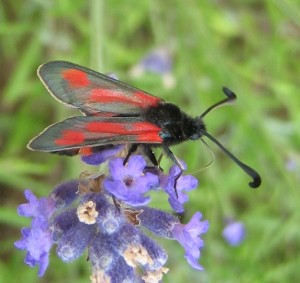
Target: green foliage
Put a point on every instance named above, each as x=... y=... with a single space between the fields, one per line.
x=250 y=46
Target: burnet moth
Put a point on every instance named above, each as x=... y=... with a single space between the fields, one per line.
x=115 y=113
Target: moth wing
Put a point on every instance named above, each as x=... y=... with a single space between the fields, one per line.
x=93 y=92
x=87 y=131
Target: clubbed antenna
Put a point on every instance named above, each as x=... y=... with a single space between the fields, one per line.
x=251 y=172
x=230 y=98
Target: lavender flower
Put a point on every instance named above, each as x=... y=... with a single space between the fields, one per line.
x=177 y=197
x=103 y=215
x=36 y=208
x=36 y=240
x=188 y=236
x=234 y=233
x=128 y=183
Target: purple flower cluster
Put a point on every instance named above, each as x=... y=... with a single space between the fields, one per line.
x=107 y=215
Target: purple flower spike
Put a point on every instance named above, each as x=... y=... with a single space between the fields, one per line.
x=128 y=183
x=155 y=251
x=184 y=183
x=62 y=223
x=37 y=240
x=101 y=156
x=188 y=236
x=234 y=233
x=121 y=272
x=101 y=252
x=74 y=241
x=157 y=221
x=65 y=193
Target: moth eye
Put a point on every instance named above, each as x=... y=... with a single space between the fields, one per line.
x=165 y=135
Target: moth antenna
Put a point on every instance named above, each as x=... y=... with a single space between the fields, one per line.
x=251 y=172
x=230 y=98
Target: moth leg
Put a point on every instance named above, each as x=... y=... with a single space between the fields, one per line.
x=131 y=150
x=177 y=162
x=150 y=154
x=159 y=160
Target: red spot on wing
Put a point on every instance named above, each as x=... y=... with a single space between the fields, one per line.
x=76 y=78
x=144 y=98
x=107 y=127
x=70 y=138
x=139 y=99
x=145 y=132
x=139 y=127
x=150 y=137
x=102 y=95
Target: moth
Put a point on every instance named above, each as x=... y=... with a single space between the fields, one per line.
x=115 y=113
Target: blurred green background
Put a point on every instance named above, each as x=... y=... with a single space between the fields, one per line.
x=251 y=46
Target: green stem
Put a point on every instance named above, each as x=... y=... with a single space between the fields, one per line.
x=97 y=34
